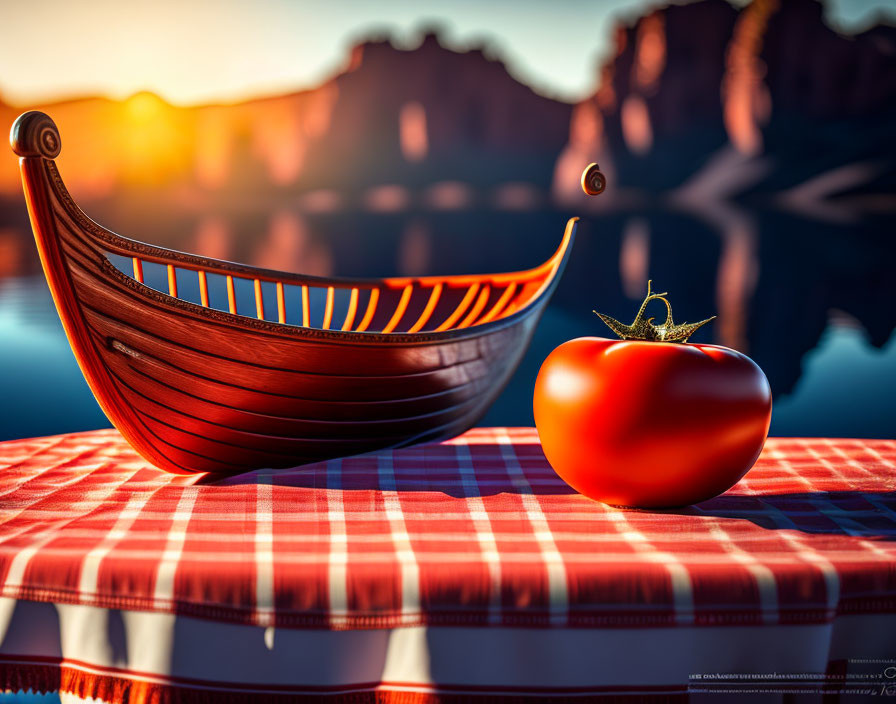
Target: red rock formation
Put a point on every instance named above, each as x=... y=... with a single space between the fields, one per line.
x=465 y=118
x=772 y=82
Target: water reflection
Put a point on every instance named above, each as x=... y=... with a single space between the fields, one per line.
x=41 y=386
x=213 y=237
x=634 y=257
x=416 y=250
x=289 y=246
x=807 y=300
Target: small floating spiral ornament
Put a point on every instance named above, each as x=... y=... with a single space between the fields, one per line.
x=593 y=180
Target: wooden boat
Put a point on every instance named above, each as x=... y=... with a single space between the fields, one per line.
x=195 y=388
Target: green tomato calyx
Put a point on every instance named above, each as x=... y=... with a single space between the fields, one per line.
x=644 y=328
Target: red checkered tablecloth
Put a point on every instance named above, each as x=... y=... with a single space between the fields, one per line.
x=476 y=531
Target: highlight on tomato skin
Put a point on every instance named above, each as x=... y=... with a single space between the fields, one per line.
x=650 y=424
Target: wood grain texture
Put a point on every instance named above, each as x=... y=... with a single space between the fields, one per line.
x=196 y=389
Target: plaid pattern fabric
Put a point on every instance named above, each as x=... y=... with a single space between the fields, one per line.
x=477 y=531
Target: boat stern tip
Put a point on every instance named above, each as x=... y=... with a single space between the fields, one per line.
x=569 y=235
x=35 y=134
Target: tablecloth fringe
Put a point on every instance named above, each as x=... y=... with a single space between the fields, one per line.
x=44 y=679
x=663 y=617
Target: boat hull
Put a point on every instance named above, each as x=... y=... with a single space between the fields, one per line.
x=194 y=389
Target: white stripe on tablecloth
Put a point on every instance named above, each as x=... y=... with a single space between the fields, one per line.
x=435 y=482
x=177 y=536
x=871 y=451
x=873 y=500
x=264 y=549
x=77 y=473
x=843 y=519
x=91 y=500
x=850 y=461
x=766 y=584
x=682 y=589
x=337 y=574
x=553 y=560
x=575 y=517
x=794 y=535
x=298 y=538
x=410 y=570
x=5 y=517
x=483 y=526
x=90 y=567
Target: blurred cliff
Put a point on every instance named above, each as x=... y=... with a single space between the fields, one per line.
x=442 y=124
x=700 y=102
x=713 y=103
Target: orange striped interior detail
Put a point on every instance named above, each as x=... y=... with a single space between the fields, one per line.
x=328 y=309
x=477 y=309
x=499 y=304
x=259 y=301
x=138 y=270
x=203 y=288
x=231 y=296
x=427 y=311
x=400 y=309
x=281 y=303
x=371 y=309
x=513 y=291
x=352 y=309
x=306 y=312
x=525 y=293
x=172 y=281
x=511 y=299
x=461 y=307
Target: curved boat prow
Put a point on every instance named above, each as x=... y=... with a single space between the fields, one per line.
x=318 y=368
x=35 y=138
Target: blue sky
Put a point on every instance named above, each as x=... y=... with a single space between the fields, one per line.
x=226 y=50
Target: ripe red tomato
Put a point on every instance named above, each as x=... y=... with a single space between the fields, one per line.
x=650 y=424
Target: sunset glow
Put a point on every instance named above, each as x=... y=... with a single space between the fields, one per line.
x=206 y=51
x=154 y=139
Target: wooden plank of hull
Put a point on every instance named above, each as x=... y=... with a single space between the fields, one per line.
x=195 y=389
x=218 y=432
x=262 y=450
x=190 y=450
x=212 y=443
x=193 y=443
x=138 y=344
x=209 y=340
x=254 y=411
x=268 y=344
x=279 y=406
x=138 y=387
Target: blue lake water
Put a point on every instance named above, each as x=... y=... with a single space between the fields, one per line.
x=810 y=301
x=847 y=387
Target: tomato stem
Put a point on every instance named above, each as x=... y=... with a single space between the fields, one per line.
x=644 y=328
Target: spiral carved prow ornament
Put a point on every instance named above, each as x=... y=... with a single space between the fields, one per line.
x=35 y=134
